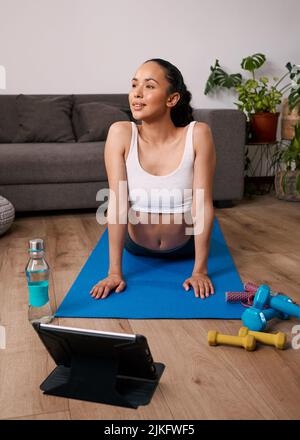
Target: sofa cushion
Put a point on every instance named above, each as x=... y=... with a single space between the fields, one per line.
x=52 y=163
x=8 y=118
x=117 y=100
x=44 y=119
x=91 y=120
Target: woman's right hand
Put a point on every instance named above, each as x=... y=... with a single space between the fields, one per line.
x=103 y=287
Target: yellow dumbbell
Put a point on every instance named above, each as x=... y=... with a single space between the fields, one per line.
x=278 y=340
x=248 y=341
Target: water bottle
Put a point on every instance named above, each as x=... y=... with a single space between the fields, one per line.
x=37 y=274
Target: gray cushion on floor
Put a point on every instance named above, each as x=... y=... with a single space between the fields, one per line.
x=7 y=214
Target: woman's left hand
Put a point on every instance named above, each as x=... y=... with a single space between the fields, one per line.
x=201 y=284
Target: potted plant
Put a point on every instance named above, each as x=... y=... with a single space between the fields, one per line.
x=287 y=181
x=291 y=105
x=259 y=102
x=256 y=97
x=290 y=118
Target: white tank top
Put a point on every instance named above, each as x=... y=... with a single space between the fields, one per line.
x=171 y=193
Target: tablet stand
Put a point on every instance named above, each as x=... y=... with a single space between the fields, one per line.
x=96 y=380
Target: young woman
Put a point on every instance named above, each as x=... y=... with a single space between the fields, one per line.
x=169 y=149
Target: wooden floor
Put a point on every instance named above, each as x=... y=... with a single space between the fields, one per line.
x=200 y=382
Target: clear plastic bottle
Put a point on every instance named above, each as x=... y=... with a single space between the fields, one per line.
x=37 y=274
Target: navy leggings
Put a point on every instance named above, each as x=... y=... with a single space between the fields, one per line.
x=185 y=250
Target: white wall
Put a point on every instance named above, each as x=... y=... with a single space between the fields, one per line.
x=95 y=46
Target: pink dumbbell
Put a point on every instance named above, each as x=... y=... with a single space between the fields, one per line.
x=234 y=297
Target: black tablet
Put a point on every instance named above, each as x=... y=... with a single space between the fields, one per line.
x=114 y=368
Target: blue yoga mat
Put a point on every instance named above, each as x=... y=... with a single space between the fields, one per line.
x=154 y=286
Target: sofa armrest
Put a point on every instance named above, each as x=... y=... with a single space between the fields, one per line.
x=229 y=134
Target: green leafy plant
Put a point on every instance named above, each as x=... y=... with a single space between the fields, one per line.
x=256 y=95
x=219 y=77
x=294 y=86
x=253 y=62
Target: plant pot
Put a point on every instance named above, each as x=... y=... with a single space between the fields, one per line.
x=289 y=120
x=264 y=127
x=287 y=185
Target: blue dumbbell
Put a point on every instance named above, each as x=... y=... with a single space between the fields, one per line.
x=281 y=303
x=256 y=319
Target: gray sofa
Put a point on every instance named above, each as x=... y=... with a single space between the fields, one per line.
x=67 y=175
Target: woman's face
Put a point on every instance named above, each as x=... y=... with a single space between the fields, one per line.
x=148 y=93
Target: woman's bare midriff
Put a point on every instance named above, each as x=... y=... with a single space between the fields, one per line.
x=158 y=231
x=159 y=235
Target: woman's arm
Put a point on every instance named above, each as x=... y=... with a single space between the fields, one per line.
x=118 y=204
x=204 y=169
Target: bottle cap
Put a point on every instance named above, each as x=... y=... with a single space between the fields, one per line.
x=36 y=245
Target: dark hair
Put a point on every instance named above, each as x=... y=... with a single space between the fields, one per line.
x=182 y=113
